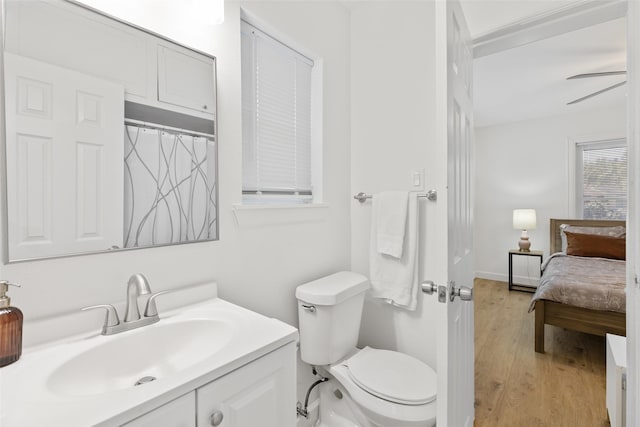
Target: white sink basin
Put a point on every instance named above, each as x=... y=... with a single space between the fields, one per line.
x=154 y=352
x=88 y=379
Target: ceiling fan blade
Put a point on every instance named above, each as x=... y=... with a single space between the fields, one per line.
x=604 y=73
x=591 y=95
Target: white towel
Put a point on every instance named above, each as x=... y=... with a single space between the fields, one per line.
x=390 y=209
x=396 y=279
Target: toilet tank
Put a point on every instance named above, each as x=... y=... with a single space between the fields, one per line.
x=329 y=312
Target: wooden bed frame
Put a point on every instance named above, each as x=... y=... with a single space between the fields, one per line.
x=575 y=318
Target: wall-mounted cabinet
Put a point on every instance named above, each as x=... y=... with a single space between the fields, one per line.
x=152 y=70
x=184 y=79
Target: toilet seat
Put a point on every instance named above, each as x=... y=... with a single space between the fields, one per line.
x=383 y=410
x=393 y=376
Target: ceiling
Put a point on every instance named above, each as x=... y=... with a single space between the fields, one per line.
x=485 y=16
x=529 y=82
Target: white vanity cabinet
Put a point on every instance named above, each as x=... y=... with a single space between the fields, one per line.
x=260 y=393
x=177 y=413
x=209 y=357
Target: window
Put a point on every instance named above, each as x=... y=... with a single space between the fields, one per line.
x=276 y=120
x=601 y=179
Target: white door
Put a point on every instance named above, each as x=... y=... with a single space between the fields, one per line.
x=454 y=147
x=64 y=160
x=633 y=231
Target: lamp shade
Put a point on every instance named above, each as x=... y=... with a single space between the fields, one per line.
x=524 y=219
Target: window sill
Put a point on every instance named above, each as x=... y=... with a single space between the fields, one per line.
x=248 y=216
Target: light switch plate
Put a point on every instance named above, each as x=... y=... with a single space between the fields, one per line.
x=416 y=180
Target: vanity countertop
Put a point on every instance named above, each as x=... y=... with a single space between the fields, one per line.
x=40 y=388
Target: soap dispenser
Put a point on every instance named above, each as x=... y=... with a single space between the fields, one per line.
x=10 y=328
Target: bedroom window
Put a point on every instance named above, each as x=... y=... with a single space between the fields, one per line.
x=601 y=179
x=276 y=120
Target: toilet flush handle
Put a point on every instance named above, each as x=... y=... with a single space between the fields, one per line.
x=309 y=308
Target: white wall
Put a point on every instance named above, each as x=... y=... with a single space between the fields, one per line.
x=259 y=266
x=526 y=165
x=393 y=116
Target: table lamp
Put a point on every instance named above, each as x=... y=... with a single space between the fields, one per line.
x=524 y=219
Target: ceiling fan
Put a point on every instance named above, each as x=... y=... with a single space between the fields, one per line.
x=588 y=75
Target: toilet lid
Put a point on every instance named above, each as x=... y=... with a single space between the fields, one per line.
x=393 y=376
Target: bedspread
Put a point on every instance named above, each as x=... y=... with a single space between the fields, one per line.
x=587 y=282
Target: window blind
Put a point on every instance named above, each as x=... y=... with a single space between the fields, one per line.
x=603 y=180
x=276 y=104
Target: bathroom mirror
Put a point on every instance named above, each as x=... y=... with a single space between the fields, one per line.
x=111 y=138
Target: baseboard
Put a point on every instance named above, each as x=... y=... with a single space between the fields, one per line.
x=491 y=276
x=517 y=280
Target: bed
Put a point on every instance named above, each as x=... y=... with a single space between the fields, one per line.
x=572 y=313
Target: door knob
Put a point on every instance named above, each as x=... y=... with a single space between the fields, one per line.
x=216 y=418
x=428 y=287
x=465 y=293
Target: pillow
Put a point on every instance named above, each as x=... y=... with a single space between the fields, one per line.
x=594 y=245
x=617 y=231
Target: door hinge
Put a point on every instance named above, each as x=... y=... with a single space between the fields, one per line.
x=624 y=381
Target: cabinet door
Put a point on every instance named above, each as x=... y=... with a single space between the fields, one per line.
x=186 y=79
x=261 y=393
x=177 y=413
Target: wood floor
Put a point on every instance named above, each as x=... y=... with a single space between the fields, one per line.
x=515 y=386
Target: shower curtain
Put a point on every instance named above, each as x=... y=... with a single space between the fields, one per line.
x=169 y=194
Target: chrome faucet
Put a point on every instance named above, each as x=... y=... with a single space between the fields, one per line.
x=137 y=285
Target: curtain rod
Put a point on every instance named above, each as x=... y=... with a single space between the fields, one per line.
x=169 y=129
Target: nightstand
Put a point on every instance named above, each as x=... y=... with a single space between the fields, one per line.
x=513 y=252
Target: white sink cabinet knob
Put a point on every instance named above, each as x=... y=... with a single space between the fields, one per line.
x=216 y=418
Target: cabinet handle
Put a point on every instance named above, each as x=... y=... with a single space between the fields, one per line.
x=204 y=107
x=216 y=418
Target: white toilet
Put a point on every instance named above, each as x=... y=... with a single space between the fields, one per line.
x=367 y=387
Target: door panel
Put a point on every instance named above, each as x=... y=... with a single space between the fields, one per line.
x=65 y=162
x=454 y=137
x=633 y=232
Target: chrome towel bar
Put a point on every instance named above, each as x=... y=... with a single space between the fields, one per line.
x=431 y=195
